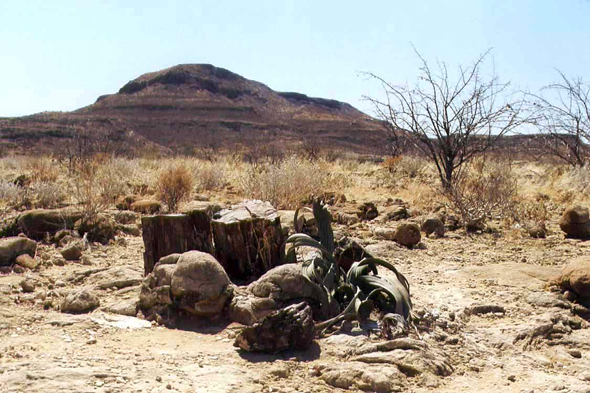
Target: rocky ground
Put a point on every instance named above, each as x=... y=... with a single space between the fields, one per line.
x=487 y=322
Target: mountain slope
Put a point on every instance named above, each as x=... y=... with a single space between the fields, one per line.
x=202 y=105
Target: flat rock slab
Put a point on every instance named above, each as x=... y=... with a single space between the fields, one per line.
x=509 y=274
x=116 y=277
x=120 y=321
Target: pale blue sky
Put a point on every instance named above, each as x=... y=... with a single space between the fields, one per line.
x=61 y=55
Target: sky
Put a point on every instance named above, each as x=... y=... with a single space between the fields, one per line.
x=61 y=55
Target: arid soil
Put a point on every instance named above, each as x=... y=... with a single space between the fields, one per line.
x=524 y=338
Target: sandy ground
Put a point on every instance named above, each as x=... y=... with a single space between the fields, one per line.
x=48 y=351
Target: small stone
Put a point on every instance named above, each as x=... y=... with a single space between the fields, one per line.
x=18 y=269
x=570 y=295
x=575 y=353
x=279 y=371
x=59 y=261
x=86 y=261
x=168 y=386
x=25 y=260
x=512 y=378
x=91 y=341
x=158 y=379
x=27 y=285
x=72 y=253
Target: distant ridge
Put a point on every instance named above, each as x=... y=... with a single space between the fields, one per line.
x=198 y=105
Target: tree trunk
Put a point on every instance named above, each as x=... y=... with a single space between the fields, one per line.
x=248 y=240
x=175 y=233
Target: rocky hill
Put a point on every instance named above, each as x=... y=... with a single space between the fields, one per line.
x=197 y=105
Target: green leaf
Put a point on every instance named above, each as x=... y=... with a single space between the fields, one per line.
x=323 y=220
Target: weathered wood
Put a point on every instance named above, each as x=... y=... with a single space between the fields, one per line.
x=248 y=239
x=175 y=233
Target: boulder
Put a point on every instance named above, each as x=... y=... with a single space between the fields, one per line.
x=199 y=284
x=384 y=233
x=537 y=230
x=196 y=284
x=79 y=302
x=12 y=247
x=146 y=206
x=289 y=328
x=575 y=277
x=398 y=213
x=575 y=222
x=73 y=252
x=27 y=261
x=280 y=287
x=102 y=229
x=407 y=234
x=433 y=225
x=37 y=224
x=367 y=211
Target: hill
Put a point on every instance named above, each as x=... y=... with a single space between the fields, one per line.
x=199 y=105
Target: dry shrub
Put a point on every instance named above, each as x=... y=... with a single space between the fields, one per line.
x=44 y=169
x=87 y=192
x=210 y=176
x=285 y=184
x=14 y=196
x=174 y=185
x=48 y=195
x=112 y=178
x=485 y=189
x=405 y=166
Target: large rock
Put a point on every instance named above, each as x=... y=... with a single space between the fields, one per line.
x=433 y=225
x=193 y=282
x=282 y=286
x=37 y=224
x=576 y=277
x=72 y=252
x=12 y=247
x=102 y=229
x=289 y=328
x=575 y=222
x=199 y=284
x=79 y=302
x=408 y=234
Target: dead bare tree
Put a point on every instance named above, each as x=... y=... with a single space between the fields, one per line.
x=450 y=121
x=561 y=112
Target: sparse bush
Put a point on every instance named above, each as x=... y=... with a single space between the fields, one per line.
x=112 y=178
x=44 y=169
x=13 y=195
x=486 y=189
x=285 y=184
x=174 y=185
x=405 y=166
x=210 y=176
x=48 y=195
x=86 y=191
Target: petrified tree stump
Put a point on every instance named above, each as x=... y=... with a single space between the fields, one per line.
x=248 y=239
x=175 y=233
